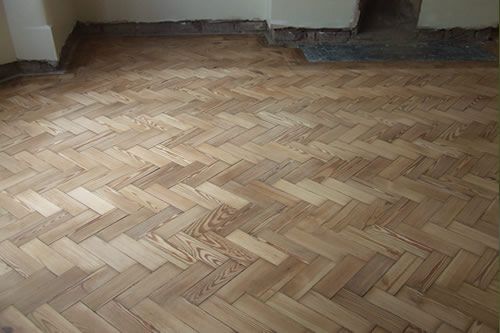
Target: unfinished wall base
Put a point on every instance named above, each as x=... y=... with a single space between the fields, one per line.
x=197 y=27
x=287 y=35
x=284 y=36
x=36 y=67
x=27 y=68
x=173 y=28
x=9 y=70
x=485 y=34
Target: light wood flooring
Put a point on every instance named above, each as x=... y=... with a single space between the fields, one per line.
x=215 y=184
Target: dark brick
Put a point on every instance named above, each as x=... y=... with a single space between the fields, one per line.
x=333 y=36
x=218 y=27
x=430 y=34
x=119 y=28
x=9 y=70
x=289 y=34
x=36 y=66
x=486 y=34
x=460 y=34
x=251 y=26
x=173 y=28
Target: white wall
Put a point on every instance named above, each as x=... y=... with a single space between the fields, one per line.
x=61 y=16
x=39 y=28
x=169 y=10
x=314 y=13
x=31 y=36
x=7 y=52
x=441 y=14
x=296 y=13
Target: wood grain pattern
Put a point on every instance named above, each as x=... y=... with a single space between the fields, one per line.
x=217 y=184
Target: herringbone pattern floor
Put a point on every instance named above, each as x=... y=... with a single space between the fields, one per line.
x=214 y=184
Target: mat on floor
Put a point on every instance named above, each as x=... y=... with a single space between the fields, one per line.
x=422 y=51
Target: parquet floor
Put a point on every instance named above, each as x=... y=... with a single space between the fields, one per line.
x=214 y=184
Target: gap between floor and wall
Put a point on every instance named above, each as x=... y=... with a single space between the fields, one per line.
x=278 y=36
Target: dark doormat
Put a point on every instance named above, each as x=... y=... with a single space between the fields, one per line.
x=416 y=51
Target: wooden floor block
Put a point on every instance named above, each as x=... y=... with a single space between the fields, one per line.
x=219 y=184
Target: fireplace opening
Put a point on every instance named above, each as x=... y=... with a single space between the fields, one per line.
x=385 y=16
